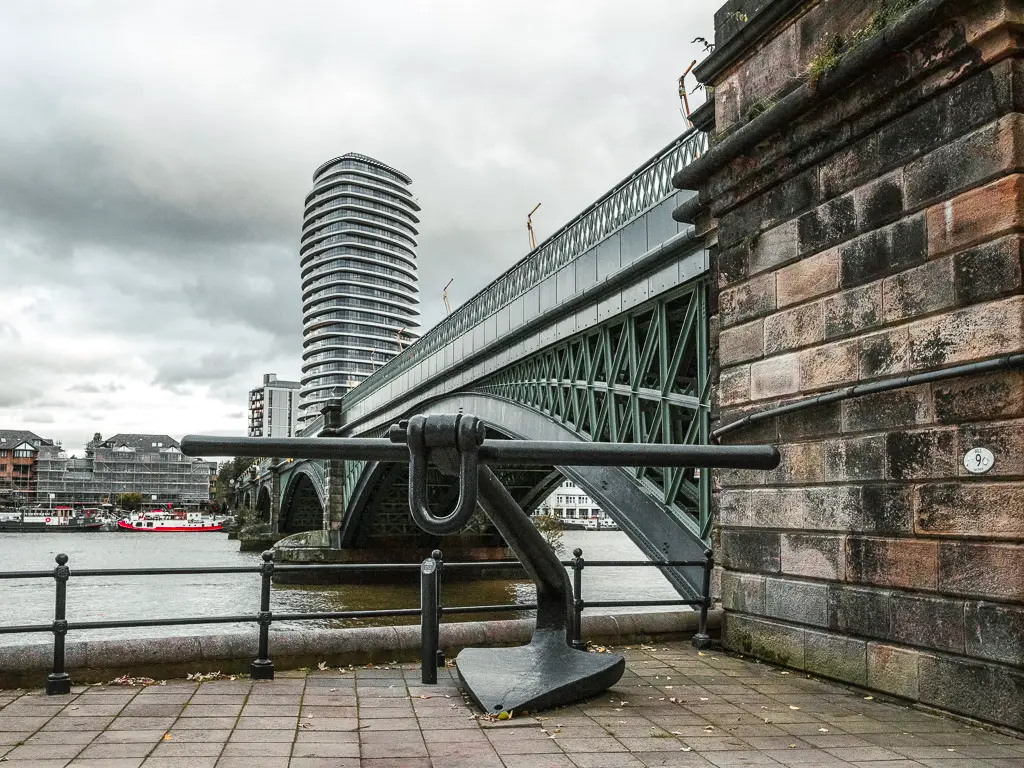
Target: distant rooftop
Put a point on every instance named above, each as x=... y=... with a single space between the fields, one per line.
x=139 y=442
x=12 y=437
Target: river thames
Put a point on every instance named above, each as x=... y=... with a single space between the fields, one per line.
x=95 y=598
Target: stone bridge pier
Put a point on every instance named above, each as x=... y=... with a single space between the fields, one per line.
x=864 y=197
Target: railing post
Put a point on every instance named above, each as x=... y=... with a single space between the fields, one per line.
x=262 y=668
x=701 y=640
x=577 y=603
x=58 y=681
x=428 y=619
x=436 y=554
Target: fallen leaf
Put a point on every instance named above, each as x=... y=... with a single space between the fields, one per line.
x=823 y=730
x=167 y=736
x=686 y=749
x=322 y=666
x=868 y=698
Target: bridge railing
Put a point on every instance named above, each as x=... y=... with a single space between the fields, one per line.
x=647 y=186
x=58 y=681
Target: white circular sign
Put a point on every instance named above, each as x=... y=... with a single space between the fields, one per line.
x=979 y=460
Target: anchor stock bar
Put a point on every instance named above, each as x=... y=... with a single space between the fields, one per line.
x=494 y=452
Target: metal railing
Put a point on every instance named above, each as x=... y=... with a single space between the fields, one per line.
x=431 y=610
x=647 y=186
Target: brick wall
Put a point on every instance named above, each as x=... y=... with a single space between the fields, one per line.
x=880 y=234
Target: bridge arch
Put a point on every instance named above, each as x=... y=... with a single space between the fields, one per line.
x=302 y=502
x=656 y=529
x=263 y=504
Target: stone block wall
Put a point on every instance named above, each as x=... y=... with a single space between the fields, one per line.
x=878 y=234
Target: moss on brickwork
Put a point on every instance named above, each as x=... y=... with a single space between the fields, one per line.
x=837 y=47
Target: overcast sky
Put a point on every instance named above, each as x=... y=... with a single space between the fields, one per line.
x=155 y=157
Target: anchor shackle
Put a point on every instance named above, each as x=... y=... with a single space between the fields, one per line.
x=453 y=441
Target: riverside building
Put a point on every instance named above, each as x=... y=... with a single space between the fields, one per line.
x=274 y=408
x=360 y=300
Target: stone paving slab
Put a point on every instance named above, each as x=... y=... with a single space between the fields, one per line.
x=673 y=707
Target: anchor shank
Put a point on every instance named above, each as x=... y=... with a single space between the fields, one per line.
x=554 y=592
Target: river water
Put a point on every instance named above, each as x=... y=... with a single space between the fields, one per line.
x=109 y=598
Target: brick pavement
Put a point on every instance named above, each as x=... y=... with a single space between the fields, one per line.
x=673 y=707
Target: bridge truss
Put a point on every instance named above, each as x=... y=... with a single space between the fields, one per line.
x=640 y=377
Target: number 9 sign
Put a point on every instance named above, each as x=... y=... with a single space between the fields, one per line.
x=978 y=461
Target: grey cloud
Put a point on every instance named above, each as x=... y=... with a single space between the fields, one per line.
x=153 y=209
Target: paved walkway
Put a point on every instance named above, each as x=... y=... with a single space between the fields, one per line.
x=673 y=707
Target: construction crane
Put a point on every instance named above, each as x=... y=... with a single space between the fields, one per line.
x=444 y=295
x=529 y=226
x=684 y=101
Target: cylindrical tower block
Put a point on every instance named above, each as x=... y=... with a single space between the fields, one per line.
x=360 y=300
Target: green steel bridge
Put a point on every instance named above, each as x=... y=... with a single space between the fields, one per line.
x=600 y=333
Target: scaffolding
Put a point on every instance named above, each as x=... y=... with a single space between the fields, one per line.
x=162 y=475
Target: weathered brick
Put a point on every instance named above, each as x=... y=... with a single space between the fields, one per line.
x=983 y=213
x=816 y=421
x=808 y=278
x=743 y=592
x=879 y=202
x=741 y=222
x=893 y=670
x=794 y=328
x=831 y=223
x=918 y=291
x=775 y=377
x=858 y=611
x=774 y=247
x=800 y=602
x=903 y=563
x=995 y=150
x=816 y=556
x=734 y=385
x=1005 y=440
x=977 y=689
x=988 y=571
x=988 y=271
x=888 y=410
x=829 y=365
x=921 y=454
x=768 y=640
x=990 y=510
x=751 y=551
x=734 y=507
x=751 y=299
x=885 y=353
x=888 y=509
x=833 y=508
x=969 y=398
x=973 y=333
x=731 y=264
x=883 y=252
x=732 y=478
x=837 y=657
x=759 y=432
x=741 y=343
x=790 y=197
x=854 y=459
x=801 y=463
x=853 y=310
x=995 y=632
x=777 y=508
x=932 y=622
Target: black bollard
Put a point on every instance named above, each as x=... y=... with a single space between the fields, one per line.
x=702 y=640
x=262 y=668
x=428 y=619
x=577 y=588
x=436 y=554
x=58 y=681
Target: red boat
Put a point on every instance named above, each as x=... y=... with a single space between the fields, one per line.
x=177 y=521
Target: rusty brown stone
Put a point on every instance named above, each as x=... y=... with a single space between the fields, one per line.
x=830 y=365
x=794 y=328
x=906 y=563
x=973 y=217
